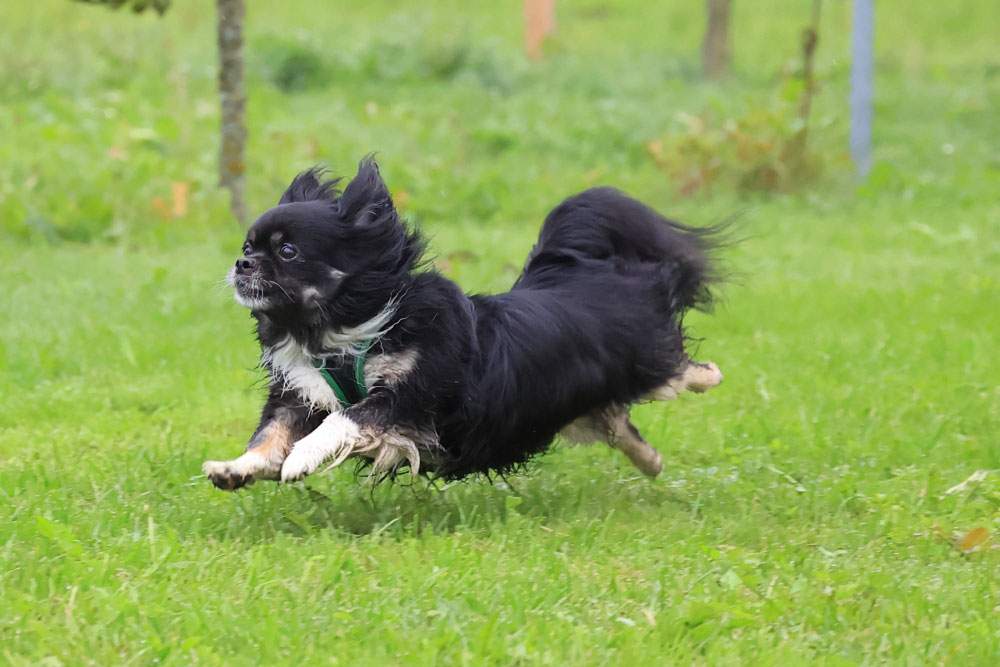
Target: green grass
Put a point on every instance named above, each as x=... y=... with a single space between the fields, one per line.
x=802 y=513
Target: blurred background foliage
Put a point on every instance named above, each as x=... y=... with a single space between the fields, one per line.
x=111 y=118
x=813 y=509
x=137 y=6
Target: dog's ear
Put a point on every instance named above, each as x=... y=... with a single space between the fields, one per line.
x=366 y=198
x=310 y=186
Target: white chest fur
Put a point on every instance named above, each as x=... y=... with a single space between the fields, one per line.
x=291 y=365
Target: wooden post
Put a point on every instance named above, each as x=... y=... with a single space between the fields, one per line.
x=715 y=47
x=862 y=83
x=796 y=148
x=232 y=165
x=539 y=22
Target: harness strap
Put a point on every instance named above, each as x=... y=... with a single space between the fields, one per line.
x=359 y=377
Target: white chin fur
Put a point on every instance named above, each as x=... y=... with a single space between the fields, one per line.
x=251 y=302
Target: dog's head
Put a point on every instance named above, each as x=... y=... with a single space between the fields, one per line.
x=322 y=256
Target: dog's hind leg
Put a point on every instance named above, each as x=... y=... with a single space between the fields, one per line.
x=697 y=377
x=625 y=437
x=613 y=426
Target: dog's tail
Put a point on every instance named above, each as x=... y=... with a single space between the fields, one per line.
x=606 y=225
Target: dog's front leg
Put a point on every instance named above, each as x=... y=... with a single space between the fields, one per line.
x=280 y=426
x=379 y=427
x=335 y=439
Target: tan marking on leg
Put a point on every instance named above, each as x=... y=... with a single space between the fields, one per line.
x=626 y=438
x=262 y=460
x=612 y=425
x=273 y=445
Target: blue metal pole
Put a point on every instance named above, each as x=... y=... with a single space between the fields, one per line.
x=862 y=84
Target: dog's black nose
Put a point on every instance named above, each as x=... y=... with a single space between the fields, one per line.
x=245 y=264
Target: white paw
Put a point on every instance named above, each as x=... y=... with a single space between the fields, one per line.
x=651 y=465
x=231 y=475
x=333 y=441
x=303 y=460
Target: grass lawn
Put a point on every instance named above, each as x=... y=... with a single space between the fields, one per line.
x=803 y=514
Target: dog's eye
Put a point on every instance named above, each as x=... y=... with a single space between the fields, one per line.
x=247 y=249
x=287 y=251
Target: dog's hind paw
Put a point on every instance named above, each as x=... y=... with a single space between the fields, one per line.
x=696 y=376
x=700 y=377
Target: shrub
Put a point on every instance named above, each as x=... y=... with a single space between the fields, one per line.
x=763 y=149
x=291 y=65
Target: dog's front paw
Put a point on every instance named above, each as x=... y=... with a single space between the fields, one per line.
x=308 y=454
x=227 y=475
x=240 y=472
x=331 y=443
x=302 y=462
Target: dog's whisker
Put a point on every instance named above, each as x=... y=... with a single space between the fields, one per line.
x=272 y=283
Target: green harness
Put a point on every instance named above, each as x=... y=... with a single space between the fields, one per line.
x=360 y=355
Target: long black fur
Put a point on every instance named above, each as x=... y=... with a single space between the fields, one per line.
x=594 y=319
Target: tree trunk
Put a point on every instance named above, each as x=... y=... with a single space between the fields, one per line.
x=796 y=150
x=232 y=94
x=715 y=48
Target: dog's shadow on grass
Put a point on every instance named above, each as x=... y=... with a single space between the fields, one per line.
x=350 y=506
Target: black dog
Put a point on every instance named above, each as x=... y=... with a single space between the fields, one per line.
x=371 y=355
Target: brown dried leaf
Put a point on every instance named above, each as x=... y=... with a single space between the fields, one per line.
x=463 y=256
x=401 y=198
x=160 y=208
x=655 y=148
x=179 y=196
x=973 y=539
